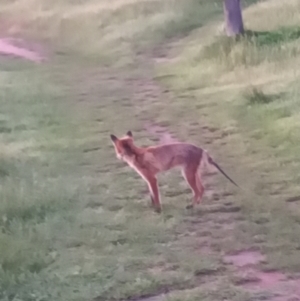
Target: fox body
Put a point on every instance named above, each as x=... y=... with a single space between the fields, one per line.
x=149 y=161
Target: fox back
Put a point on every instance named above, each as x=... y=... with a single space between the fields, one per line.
x=167 y=156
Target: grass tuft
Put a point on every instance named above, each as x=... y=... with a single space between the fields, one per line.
x=257 y=96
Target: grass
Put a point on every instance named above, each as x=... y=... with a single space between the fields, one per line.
x=75 y=222
x=225 y=72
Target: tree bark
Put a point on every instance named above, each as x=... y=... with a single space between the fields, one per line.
x=233 y=17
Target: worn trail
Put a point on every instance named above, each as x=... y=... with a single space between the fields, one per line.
x=215 y=226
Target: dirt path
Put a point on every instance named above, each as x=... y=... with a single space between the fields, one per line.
x=19 y=48
x=216 y=226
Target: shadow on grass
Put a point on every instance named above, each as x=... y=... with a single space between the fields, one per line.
x=255 y=96
x=274 y=38
x=251 y=48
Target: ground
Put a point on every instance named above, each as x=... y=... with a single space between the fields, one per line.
x=76 y=222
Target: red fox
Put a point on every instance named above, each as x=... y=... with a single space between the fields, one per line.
x=149 y=161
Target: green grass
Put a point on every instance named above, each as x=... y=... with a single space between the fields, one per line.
x=273 y=38
x=248 y=86
x=75 y=222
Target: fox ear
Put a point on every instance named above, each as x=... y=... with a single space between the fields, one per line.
x=129 y=133
x=113 y=138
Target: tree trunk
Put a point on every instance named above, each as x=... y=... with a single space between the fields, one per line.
x=233 y=17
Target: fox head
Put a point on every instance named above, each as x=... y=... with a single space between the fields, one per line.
x=123 y=146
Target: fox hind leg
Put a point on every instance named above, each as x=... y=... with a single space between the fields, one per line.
x=200 y=188
x=192 y=178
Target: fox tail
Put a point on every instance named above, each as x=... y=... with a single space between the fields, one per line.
x=209 y=160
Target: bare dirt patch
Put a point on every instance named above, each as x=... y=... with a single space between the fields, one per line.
x=283 y=288
x=21 y=49
x=244 y=258
x=250 y=277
